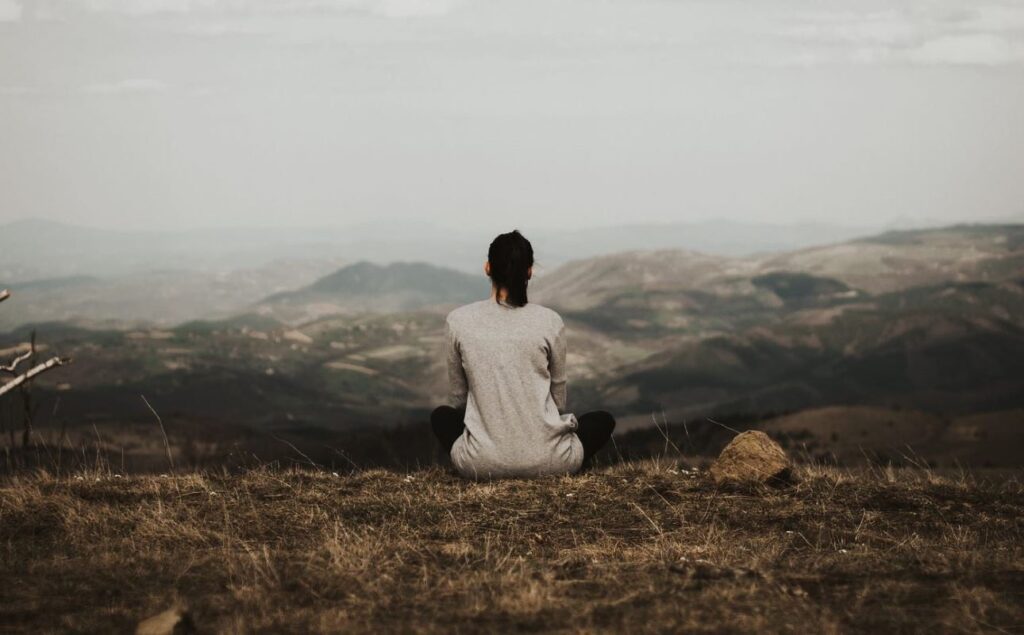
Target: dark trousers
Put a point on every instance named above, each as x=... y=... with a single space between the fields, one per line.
x=595 y=429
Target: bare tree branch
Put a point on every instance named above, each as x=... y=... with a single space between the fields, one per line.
x=38 y=370
x=4 y=294
x=10 y=368
x=21 y=381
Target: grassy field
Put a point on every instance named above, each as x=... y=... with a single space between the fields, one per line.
x=637 y=547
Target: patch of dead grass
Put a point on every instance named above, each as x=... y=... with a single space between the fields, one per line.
x=637 y=547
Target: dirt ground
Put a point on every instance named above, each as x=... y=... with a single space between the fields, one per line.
x=638 y=547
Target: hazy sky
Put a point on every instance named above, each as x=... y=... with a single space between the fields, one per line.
x=183 y=113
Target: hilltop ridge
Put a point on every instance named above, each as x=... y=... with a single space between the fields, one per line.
x=367 y=287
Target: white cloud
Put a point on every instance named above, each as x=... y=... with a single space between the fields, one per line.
x=973 y=49
x=126 y=86
x=916 y=33
x=996 y=18
x=412 y=8
x=10 y=11
x=888 y=27
x=235 y=27
x=386 y=8
x=16 y=91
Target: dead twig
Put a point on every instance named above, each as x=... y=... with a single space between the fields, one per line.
x=653 y=524
x=722 y=425
x=31 y=374
x=13 y=366
x=664 y=433
x=301 y=453
x=167 y=444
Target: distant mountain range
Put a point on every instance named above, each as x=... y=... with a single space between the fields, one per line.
x=301 y=289
x=925 y=321
x=31 y=250
x=120 y=278
x=874 y=264
x=929 y=319
x=366 y=287
x=162 y=298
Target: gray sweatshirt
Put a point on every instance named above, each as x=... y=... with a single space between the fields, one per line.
x=506 y=365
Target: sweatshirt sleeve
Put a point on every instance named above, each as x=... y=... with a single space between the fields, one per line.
x=458 y=386
x=556 y=366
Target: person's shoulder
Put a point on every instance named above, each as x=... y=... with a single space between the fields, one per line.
x=459 y=313
x=546 y=313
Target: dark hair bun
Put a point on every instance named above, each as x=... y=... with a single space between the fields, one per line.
x=511 y=257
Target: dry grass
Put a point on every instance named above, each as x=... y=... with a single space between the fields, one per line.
x=639 y=547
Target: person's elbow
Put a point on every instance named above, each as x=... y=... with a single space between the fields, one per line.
x=457 y=399
x=558 y=395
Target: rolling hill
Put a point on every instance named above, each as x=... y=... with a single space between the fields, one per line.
x=161 y=297
x=929 y=319
x=888 y=262
x=365 y=287
x=670 y=335
x=905 y=259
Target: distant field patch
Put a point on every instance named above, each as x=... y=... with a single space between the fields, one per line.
x=352 y=367
x=395 y=352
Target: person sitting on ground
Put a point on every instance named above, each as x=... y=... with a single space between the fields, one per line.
x=506 y=370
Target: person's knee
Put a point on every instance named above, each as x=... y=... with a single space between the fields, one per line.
x=447 y=422
x=601 y=419
x=441 y=413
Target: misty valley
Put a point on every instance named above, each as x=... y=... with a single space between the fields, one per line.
x=903 y=347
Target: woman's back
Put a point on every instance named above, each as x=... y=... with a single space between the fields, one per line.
x=506 y=365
